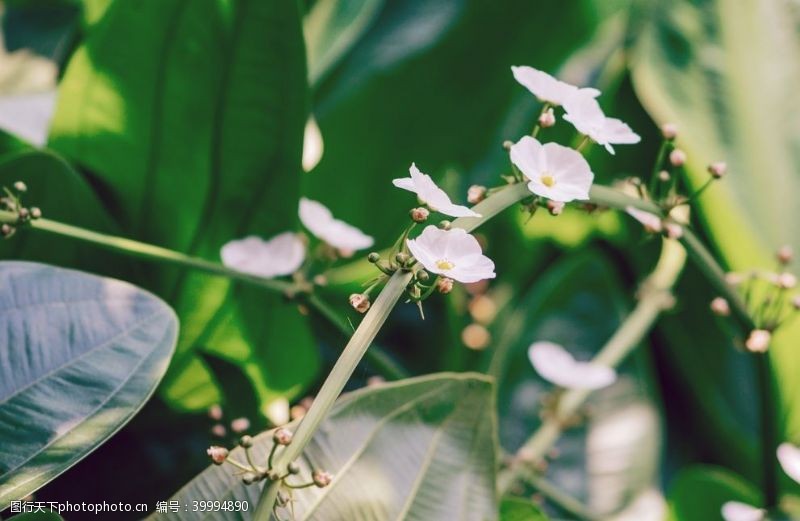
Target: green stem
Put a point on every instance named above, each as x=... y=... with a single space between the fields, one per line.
x=560 y=498
x=655 y=296
x=377 y=359
x=769 y=434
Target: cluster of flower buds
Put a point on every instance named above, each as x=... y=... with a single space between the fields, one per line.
x=768 y=298
x=17 y=213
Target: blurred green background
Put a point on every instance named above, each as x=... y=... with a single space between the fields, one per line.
x=183 y=122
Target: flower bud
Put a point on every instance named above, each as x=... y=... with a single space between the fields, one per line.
x=669 y=131
x=664 y=176
x=240 y=425
x=217 y=454
x=720 y=307
x=249 y=479
x=282 y=436
x=36 y=212
x=419 y=215
x=376 y=380
x=23 y=213
x=21 y=187
x=796 y=302
x=475 y=336
x=673 y=230
x=422 y=276
x=374 y=257
x=215 y=412
x=360 y=302
x=219 y=430
x=445 y=224
x=293 y=468
x=476 y=194
x=785 y=254
x=401 y=258
x=677 y=157
x=6 y=230
x=758 y=341
x=786 y=280
x=508 y=144
x=321 y=478
x=555 y=207
x=547 y=119
x=246 y=441
x=444 y=285
x=733 y=278
x=717 y=170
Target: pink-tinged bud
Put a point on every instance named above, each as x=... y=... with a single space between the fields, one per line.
x=21 y=187
x=6 y=230
x=717 y=170
x=664 y=176
x=444 y=285
x=669 y=131
x=373 y=381
x=297 y=412
x=321 y=478
x=239 y=425
x=555 y=207
x=36 y=213
x=219 y=430
x=677 y=157
x=734 y=279
x=419 y=215
x=217 y=454
x=445 y=224
x=246 y=441
x=785 y=254
x=673 y=230
x=282 y=436
x=320 y=280
x=360 y=302
x=476 y=194
x=786 y=280
x=758 y=341
x=508 y=144
x=547 y=119
x=476 y=336
x=796 y=302
x=720 y=307
x=215 y=412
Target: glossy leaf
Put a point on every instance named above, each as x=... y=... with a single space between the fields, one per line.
x=193 y=132
x=698 y=493
x=733 y=99
x=515 y=509
x=422 y=448
x=80 y=355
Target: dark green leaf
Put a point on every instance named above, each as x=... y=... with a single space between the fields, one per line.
x=81 y=355
x=698 y=493
x=422 y=448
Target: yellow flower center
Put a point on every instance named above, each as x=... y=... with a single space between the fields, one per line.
x=548 y=180
x=445 y=265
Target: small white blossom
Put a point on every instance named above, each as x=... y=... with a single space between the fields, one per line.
x=586 y=115
x=556 y=365
x=319 y=221
x=554 y=171
x=789 y=458
x=453 y=253
x=547 y=88
x=651 y=222
x=430 y=194
x=281 y=255
x=736 y=511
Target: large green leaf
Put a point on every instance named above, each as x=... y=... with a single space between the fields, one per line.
x=189 y=115
x=80 y=355
x=698 y=493
x=515 y=509
x=422 y=448
x=725 y=71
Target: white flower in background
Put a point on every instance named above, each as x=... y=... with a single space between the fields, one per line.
x=651 y=222
x=548 y=88
x=430 y=194
x=281 y=255
x=556 y=365
x=313 y=146
x=736 y=511
x=556 y=172
x=319 y=221
x=586 y=115
x=452 y=253
x=789 y=458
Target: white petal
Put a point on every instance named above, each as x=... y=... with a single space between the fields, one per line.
x=281 y=255
x=455 y=246
x=314 y=216
x=651 y=222
x=569 y=169
x=736 y=511
x=312 y=145
x=555 y=364
x=527 y=155
x=789 y=458
x=406 y=183
x=544 y=86
x=319 y=220
x=28 y=115
x=429 y=193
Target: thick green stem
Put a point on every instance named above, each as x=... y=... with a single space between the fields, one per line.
x=655 y=296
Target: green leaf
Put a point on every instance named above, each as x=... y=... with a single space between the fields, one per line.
x=331 y=28
x=193 y=132
x=698 y=493
x=426 y=447
x=81 y=356
x=732 y=98
x=515 y=509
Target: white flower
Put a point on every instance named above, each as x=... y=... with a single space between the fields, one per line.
x=452 y=253
x=651 y=222
x=789 y=458
x=546 y=87
x=281 y=255
x=556 y=365
x=556 y=172
x=430 y=194
x=586 y=115
x=736 y=511
x=319 y=220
